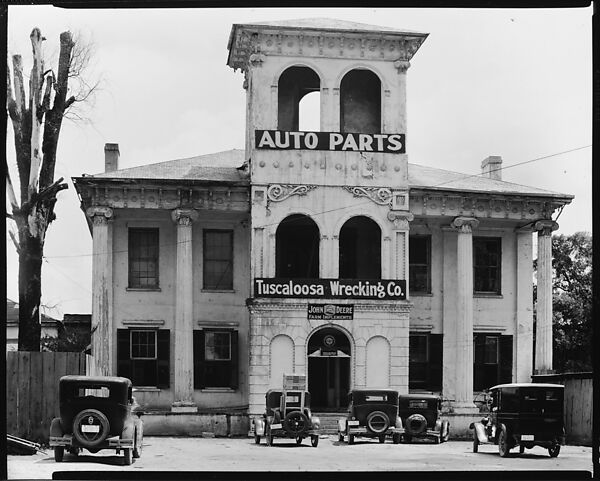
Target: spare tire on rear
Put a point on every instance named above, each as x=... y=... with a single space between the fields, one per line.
x=295 y=423
x=90 y=427
x=378 y=422
x=416 y=424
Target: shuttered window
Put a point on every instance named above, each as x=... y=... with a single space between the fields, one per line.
x=425 y=362
x=215 y=358
x=493 y=360
x=143 y=356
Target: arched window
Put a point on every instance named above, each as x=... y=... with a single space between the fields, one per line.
x=294 y=84
x=360 y=249
x=297 y=248
x=360 y=102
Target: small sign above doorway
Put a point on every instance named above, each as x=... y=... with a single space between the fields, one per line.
x=334 y=312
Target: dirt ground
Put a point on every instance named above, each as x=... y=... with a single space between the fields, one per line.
x=221 y=454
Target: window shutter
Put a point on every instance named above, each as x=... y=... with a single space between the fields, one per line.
x=199 y=359
x=234 y=360
x=123 y=359
x=478 y=366
x=506 y=359
x=435 y=361
x=163 y=375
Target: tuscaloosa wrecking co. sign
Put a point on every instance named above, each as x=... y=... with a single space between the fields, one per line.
x=382 y=289
x=345 y=142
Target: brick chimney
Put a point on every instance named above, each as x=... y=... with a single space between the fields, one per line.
x=111 y=157
x=491 y=167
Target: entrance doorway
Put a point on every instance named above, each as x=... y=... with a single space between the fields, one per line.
x=329 y=357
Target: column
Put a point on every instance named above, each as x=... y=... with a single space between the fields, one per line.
x=543 y=330
x=103 y=357
x=463 y=346
x=523 y=352
x=184 y=309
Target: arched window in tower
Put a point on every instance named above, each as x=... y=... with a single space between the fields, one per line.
x=297 y=110
x=297 y=248
x=360 y=102
x=360 y=249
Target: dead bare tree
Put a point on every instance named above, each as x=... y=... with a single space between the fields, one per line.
x=36 y=124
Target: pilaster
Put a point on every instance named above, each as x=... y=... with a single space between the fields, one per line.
x=523 y=347
x=184 y=289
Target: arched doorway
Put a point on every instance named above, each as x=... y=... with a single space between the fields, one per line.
x=329 y=354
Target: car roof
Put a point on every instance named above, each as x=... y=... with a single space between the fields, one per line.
x=527 y=384
x=374 y=391
x=107 y=380
x=426 y=396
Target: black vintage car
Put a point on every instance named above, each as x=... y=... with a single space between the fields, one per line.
x=96 y=412
x=287 y=415
x=372 y=413
x=524 y=415
x=421 y=417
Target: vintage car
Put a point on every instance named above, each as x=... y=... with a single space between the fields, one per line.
x=372 y=413
x=421 y=417
x=96 y=412
x=287 y=415
x=524 y=415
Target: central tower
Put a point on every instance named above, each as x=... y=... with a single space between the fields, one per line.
x=329 y=206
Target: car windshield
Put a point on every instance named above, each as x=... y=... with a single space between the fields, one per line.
x=417 y=404
x=102 y=391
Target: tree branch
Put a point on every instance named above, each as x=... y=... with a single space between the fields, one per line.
x=15 y=241
x=35 y=88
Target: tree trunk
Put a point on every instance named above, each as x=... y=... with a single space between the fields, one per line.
x=30 y=274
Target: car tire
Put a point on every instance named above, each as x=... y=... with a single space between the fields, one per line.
x=59 y=454
x=74 y=451
x=296 y=423
x=96 y=417
x=137 y=444
x=416 y=424
x=554 y=451
x=269 y=436
x=521 y=449
x=256 y=439
x=503 y=448
x=127 y=456
x=298 y=441
x=445 y=433
x=314 y=441
x=378 y=422
x=407 y=438
x=475 y=442
x=437 y=439
x=396 y=438
x=381 y=438
x=340 y=438
x=350 y=438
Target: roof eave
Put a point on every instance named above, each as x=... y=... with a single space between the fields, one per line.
x=565 y=198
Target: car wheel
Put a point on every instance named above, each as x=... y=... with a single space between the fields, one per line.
x=396 y=438
x=554 y=450
x=407 y=438
x=314 y=441
x=350 y=438
x=298 y=440
x=256 y=439
x=340 y=438
x=416 y=424
x=475 y=442
x=269 y=436
x=445 y=434
x=137 y=445
x=74 y=451
x=437 y=440
x=503 y=448
x=59 y=453
x=296 y=423
x=378 y=422
x=521 y=449
x=381 y=438
x=127 y=456
x=90 y=427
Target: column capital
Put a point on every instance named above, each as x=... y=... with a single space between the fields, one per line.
x=545 y=227
x=402 y=65
x=184 y=216
x=100 y=215
x=400 y=219
x=465 y=224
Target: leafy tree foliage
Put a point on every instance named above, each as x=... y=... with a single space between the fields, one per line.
x=572 y=301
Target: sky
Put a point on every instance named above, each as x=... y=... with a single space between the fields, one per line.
x=510 y=82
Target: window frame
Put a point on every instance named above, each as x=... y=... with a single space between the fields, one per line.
x=140 y=331
x=201 y=379
x=427 y=265
x=131 y=248
x=206 y=261
x=479 y=266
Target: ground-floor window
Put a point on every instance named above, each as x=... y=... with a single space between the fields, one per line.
x=492 y=360
x=425 y=361
x=215 y=358
x=143 y=356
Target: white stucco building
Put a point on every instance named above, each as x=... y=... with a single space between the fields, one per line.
x=324 y=253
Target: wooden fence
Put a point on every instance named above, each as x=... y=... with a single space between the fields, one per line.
x=578 y=404
x=32 y=390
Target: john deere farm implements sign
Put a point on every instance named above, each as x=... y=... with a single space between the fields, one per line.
x=338 y=141
x=382 y=289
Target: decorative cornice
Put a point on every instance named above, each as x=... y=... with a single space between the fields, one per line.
x=270 y=305
x=281 y=192
x=465 y=224
x=379 y=195
x=545 y=227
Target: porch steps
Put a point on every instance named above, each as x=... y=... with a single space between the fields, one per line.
x=329 y=421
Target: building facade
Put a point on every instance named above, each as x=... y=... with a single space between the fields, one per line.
x=321 y=252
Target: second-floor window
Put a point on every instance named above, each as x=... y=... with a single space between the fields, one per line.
x=419 y=264
x=487 y=266
x=360 y=249
x=143 y=258
x=218 y=260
